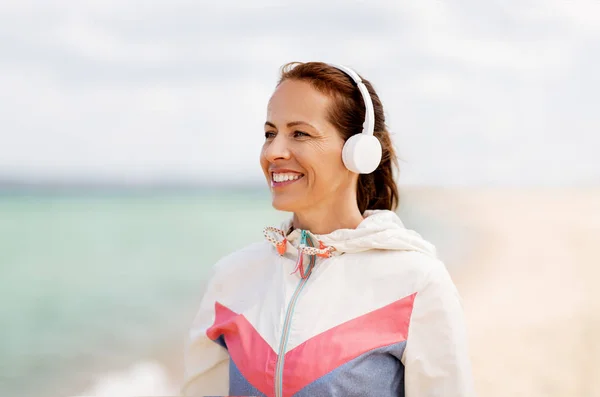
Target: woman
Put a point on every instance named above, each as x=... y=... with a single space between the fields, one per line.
x=343 y=300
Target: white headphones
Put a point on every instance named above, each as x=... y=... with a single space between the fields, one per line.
x=362 y=152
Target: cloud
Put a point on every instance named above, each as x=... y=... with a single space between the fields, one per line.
x=475 y=93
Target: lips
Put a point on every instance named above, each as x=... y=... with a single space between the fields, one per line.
x=282 y=178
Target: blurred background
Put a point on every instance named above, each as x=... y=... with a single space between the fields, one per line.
x=129 y=139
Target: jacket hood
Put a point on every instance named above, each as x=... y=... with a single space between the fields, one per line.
x=380 y=229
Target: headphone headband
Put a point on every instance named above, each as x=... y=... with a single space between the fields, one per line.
x=369 y=123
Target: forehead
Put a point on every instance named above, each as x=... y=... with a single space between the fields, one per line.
x=297 y=100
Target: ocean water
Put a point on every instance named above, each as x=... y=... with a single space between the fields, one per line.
x=94 y=283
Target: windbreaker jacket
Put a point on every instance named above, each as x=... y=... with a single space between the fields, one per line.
x=368 y=311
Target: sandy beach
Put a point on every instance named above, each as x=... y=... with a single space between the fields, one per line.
x=529 y=288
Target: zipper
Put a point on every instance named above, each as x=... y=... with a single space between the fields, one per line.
x=288 y=320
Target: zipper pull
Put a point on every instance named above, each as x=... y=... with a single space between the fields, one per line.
x=300 y=261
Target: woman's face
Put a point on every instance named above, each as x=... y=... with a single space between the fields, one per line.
x=302 y=154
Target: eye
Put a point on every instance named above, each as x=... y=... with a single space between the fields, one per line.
x=300 y=134
x=269 y=134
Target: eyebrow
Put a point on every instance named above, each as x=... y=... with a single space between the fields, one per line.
x=290 y=124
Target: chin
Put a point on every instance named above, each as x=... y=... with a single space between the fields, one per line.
x=286 y=204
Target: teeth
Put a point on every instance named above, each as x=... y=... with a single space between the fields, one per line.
x=285 y=177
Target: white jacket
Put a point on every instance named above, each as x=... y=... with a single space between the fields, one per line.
x=379 y=316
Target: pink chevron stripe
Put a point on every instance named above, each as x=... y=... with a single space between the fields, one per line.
x=249 y=351
x=327 y=351
x=317 y=356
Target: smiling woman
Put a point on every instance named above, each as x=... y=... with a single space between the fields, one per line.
x=343 y=299
x=302 y=161
x=318 y=108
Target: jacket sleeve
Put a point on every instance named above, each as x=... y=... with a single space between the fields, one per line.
x=206 y=362
x=436 y=359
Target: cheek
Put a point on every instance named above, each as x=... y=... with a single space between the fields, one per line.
x=329 y=171
x=323 y=163
x=264 y=164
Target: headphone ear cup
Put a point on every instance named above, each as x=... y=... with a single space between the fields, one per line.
x=362 y=153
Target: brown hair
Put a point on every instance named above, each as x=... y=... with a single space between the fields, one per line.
x=377 y=190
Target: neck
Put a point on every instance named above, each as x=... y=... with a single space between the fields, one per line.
x=327 y=219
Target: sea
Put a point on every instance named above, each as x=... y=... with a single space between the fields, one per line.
x=97 y=289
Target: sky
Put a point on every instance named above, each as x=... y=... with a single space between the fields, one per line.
x=494 y=93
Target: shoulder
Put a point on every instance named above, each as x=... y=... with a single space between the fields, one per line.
x=420 y=263
x=430 y=270
x=427 y=265
x=236 y=274
x=433 y=284
x=416 y=268
x=242 y=258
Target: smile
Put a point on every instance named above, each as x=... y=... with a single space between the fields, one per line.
x=284 y=179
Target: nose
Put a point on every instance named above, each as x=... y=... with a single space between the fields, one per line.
x=277 y=149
